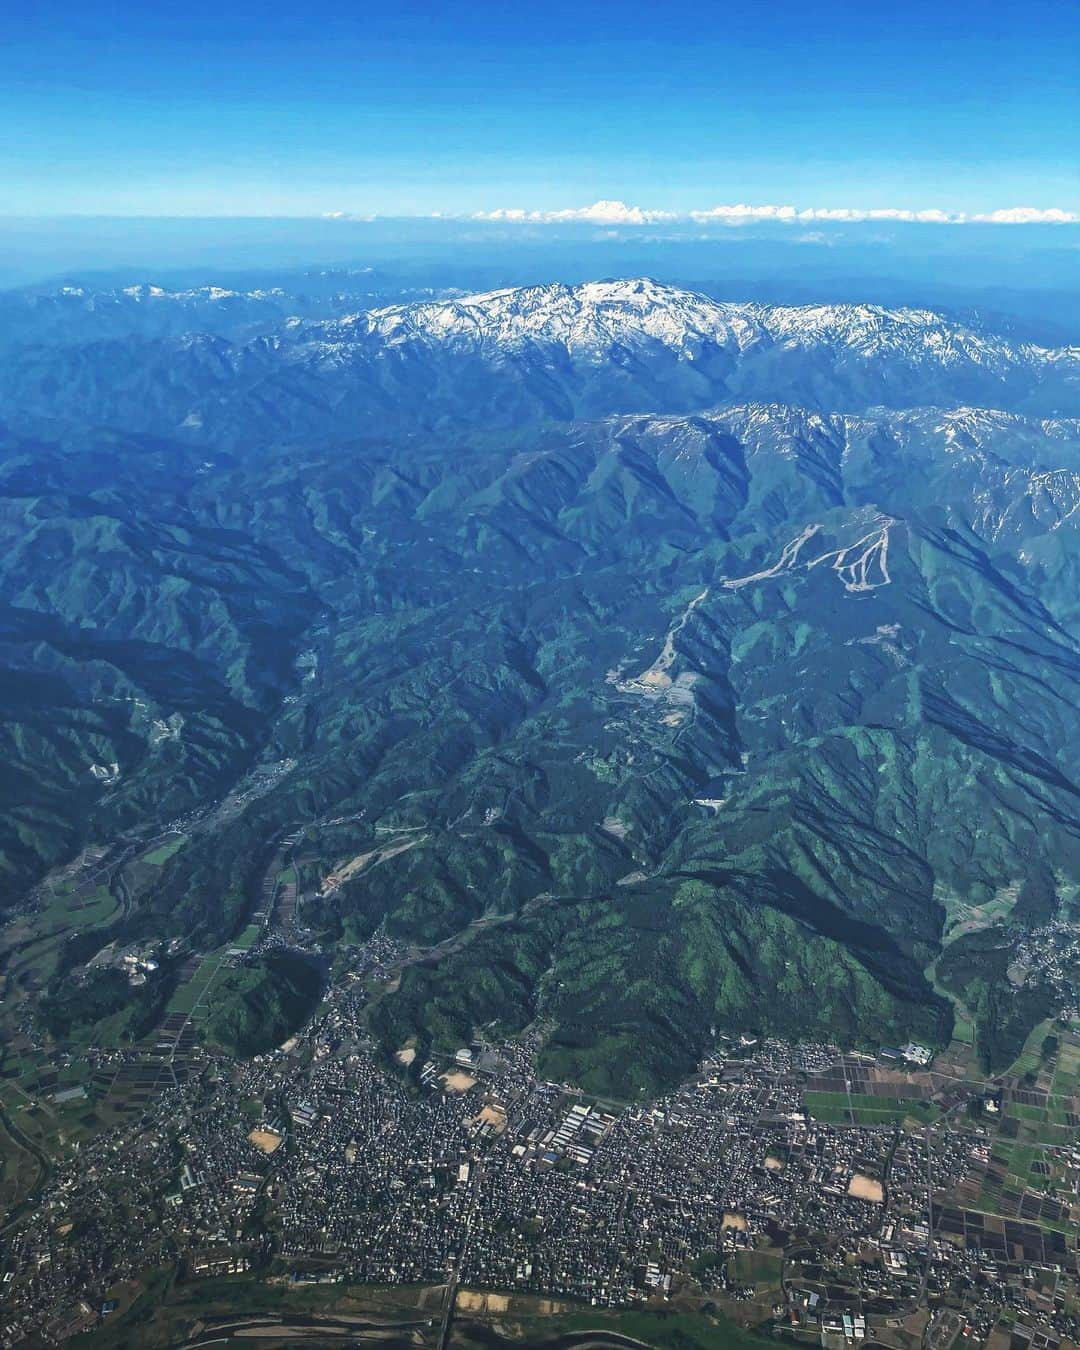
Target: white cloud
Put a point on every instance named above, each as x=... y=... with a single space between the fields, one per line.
x=506 y=213
x=607 y=212
x=618 y=213
x=741 y=212
x=1029 y=215
x=1015 y=215
x=600 y=213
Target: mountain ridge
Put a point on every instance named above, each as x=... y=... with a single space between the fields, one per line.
x=522 y=354
x=702 y=701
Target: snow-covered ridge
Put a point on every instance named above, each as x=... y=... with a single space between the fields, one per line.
x=602 y=323
x=1012 y=474
x=978 y=434
x=221 y=366
x=591 y=318
x=146 y=291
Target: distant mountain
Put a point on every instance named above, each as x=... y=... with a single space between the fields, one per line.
x=79 y=313
x=510 y=357
x=737 y=717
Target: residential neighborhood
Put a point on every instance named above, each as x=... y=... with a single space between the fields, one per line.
x=829 y=1197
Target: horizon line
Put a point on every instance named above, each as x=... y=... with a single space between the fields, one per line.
x=609 y=212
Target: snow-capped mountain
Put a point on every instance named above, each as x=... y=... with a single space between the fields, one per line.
x=505 y=358
x=591 y=318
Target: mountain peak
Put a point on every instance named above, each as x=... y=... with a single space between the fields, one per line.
x=635 y=310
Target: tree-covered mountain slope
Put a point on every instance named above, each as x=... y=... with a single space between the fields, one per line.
x=723 y=718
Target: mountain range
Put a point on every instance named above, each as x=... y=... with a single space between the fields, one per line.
x=724 y=658
x=505 y=358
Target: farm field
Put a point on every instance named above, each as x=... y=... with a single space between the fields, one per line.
x=159 y=856
x=189 y=996
x=862 y=1108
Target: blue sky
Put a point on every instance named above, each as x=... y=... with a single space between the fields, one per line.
x=415 y=108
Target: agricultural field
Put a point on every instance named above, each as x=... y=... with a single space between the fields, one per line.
x=1048 y=1124
x=247 y=938
x=35 y=942
x=863 y=1108
x=1041 y=1106
x=760 y=1270
x=1029 y=1175
x=1066 y=1080
x=30 y=1083
x=1022 y=1182
x=159 y=856
x=79 y=908
x=196 y=977
x=1032 y=1057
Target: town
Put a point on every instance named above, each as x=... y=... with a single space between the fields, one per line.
x=828 y=1197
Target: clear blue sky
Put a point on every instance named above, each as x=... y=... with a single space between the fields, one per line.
x=187 y=107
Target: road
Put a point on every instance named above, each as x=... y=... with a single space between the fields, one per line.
x=928 y=1140
x=475 y=1175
